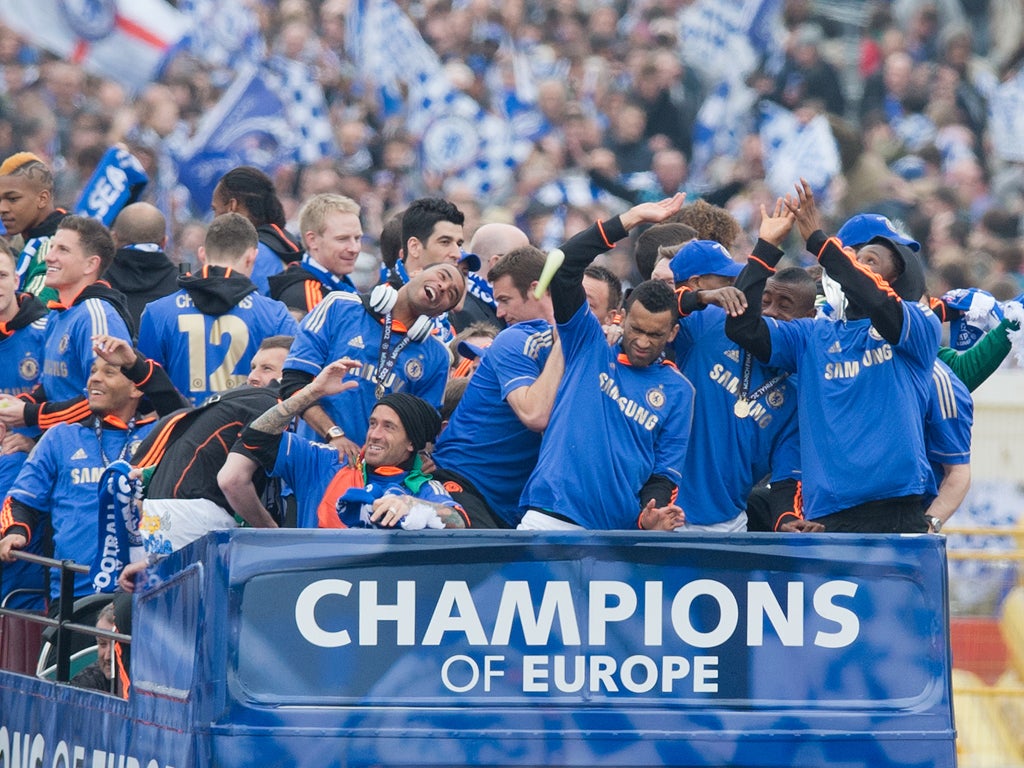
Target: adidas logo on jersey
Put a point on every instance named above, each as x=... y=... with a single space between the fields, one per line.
x=836 y=348
x=357 y=342
x=79 y=455
x=733 y=354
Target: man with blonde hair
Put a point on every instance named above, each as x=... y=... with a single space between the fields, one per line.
x=27 y=209
x=333 y=237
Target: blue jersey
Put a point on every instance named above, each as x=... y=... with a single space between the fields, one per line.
x=612 y=427
x=267 y=263
x=947 y=429
x=340 y=326
x=61 y=477
x=68 y=354
x=22 y=354
x=205 y=354
x=728 y=453
x=861 y=406
x=309 y=468
x=485 y=441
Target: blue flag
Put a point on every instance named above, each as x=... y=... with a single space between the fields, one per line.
x=117 y=181
x=270 y=116
x=119 y=497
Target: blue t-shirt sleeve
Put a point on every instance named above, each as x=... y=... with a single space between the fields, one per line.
x=581 y=331
x=435 y=493
x=947 y=434
x=285 y=323
x=514 y=365
x=674 y=436
x=307 y=467
x=921 y=333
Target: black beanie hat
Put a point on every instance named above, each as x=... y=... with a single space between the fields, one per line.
x=421 y=420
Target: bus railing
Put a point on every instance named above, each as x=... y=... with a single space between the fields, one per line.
x=63 y=621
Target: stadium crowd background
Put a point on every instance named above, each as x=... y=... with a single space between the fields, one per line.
x=905 y=86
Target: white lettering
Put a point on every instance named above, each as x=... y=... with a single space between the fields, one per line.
x=761 y=604
x=849 y=624
x=728 y=610
x=305 y=613
x=455 y=595
x=474 y=674
x=403 y=612
x=516 y=601
x=601 y=612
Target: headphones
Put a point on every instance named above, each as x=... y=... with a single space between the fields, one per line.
x=382 y=300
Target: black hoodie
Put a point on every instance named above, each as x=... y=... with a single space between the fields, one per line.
x=142 y=276
x=283 y=243
x=216 y=290
x=30 y=309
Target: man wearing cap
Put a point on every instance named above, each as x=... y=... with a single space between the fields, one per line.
x=950 y=413
x=746 y=427
x=333 y=238
x=864 y=375
x=384 y=487
x=489 y=448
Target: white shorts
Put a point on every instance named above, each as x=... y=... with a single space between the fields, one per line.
x=535 y=520
x=167 y=525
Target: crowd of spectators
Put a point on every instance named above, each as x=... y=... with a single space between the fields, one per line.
x=906 y=86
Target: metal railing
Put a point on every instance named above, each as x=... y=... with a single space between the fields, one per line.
x=62 y=622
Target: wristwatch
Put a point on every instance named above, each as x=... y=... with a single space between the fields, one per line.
x=934 y=522
x=334 y=432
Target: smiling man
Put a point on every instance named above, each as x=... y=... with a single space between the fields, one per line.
x=81 y=250
x=390 y=332
x=333 y=237
x=383 y=487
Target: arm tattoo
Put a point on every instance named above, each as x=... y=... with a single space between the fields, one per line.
x=275 y=421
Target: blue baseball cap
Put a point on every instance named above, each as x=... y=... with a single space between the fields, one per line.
x=865 y=227
x=471 y=260
x=703 y=257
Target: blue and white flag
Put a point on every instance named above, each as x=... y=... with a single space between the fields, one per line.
x=981 y=313
x=224 y=35
x=1006 y=119
x=119 y=504
x=795 y=150
x=725 y=118
x=118 y=181
x=458 y=139
x=724 y=38
x=124 y=40
x=269 y=117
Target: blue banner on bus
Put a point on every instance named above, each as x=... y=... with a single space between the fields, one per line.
x=364 y=648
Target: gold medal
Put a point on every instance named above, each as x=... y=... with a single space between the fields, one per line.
x=742 y=408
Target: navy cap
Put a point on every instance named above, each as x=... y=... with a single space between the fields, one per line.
x=469 y=351
x=865 y=227
x=703 y=257
x=470 y=260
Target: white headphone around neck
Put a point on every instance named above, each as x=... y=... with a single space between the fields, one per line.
x=382 y=300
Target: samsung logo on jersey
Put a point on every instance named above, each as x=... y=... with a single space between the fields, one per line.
x=849 y=369
x=86 y=475
x=582 y=621
x=632 y=410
